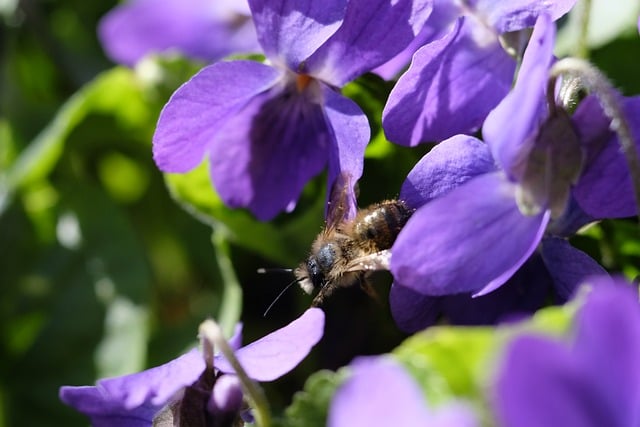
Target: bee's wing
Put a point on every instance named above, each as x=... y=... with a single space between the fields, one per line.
x=375 y=261
x=341 y=205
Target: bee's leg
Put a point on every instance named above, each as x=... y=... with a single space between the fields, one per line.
x=365 y=285
x=324 y=292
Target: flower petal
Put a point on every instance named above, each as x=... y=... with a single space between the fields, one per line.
x=279 y=352
x=608 y=341
x=350 y=134
x=510 y=127
x=291 y=30
x=449 y=88
x=514 y=15
x=413 y=311
x=447 y=166
x=472 y=239
x=262 y=157
x=189 y=121
x=540 y=384
x=364 y=399
x=156 y=385
x=104 y=411
x=523 y=294
x=605 y=189
x=373 y=32
x=200 y=29
x=567 y=265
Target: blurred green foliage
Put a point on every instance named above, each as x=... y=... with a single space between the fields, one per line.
x=107 y=266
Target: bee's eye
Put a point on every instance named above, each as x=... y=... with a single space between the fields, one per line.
x=315 y=274
x=326 y=256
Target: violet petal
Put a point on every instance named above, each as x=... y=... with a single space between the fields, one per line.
x=514 y=15
x=411 y=310
x=605 y=189
x=364 y=398
x=523 y=294
x=279 y=352
x=472 y=239
x=263 y=156
x=540 y=384
x=199 y=29
x=373 y=31
x=156 y=385
x=450 y=87
x=447 y=166
x=291 y=30
x=510 y=127
x=189 y=121
x=608 y=342
x=105 y=411
x=350 y=133
x=567 y=265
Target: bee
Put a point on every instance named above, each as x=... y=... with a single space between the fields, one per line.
x=347 y=251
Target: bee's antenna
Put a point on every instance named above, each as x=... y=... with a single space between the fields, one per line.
x=274 y=270
x=279 y=295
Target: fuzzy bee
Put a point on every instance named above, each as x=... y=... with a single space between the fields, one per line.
x=348 y=250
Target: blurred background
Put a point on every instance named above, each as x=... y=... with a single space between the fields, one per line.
x=106 y=270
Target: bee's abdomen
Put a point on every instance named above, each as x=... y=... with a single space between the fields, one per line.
x=381 y=223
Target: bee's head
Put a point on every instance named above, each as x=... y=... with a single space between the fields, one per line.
x=311 y=274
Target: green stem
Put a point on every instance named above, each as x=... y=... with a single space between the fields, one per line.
x=231 y=302
x=595 y=82
x=252 y=391
x=582 y=48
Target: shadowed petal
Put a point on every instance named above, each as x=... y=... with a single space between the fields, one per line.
x=350 y=134
x=279 y=352
x=472 y=239
x=200 y=29
x=527 y=291
x=567 y=265
x=411 y=310
x=514 y=15
x=189 y=121
x=605 y=189
x=449 y=88
x=510 y=127
x=291 y=30
x=105 y=411
x=540 y=384
x=264 y=155
x=373 y=32
x=447 y=166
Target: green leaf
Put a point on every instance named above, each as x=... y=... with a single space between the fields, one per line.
x=123 y=349
x=115 y=92
x=285 y=244
x=449 y=362
x=310 y=406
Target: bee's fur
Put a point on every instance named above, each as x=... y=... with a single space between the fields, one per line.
x=345 y=252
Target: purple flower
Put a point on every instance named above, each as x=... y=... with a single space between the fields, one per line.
x=593 y=380
x=182 y=385
x=454 y=81
x=380 y=393
x=437 y=263
x=267 y=129
x=480 y=221
x=201 y=29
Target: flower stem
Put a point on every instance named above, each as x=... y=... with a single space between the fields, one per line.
x=595 y=82
x=231 y=302
x=252 y=391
